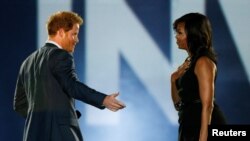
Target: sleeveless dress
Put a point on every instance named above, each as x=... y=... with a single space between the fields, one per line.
x=190 y=111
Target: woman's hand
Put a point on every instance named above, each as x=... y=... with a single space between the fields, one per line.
x=180 y=71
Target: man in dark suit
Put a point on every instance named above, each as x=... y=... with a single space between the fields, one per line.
x=47 y=85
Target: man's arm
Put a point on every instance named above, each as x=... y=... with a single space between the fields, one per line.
x=63 y=69
x=20 y=104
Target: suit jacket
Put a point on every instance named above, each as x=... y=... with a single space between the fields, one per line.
x=46 y=87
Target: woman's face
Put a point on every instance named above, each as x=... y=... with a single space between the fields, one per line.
x=181 y=37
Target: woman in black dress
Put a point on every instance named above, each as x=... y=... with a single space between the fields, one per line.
x=192 y=84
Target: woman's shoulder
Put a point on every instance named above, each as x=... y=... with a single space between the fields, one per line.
x=204 y=60
x=205 y=54
x=205 y=64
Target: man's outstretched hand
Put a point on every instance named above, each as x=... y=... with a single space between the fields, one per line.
x=112 y=103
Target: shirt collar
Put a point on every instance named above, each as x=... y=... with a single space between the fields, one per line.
x=52 y=42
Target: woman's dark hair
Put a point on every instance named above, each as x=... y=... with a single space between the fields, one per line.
x=199 y=33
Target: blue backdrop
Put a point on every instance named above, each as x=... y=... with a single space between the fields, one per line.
x=128 y=46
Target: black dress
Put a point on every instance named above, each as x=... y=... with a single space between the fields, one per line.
x=190 y=111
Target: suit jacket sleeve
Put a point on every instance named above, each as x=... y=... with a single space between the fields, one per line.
x=62 y=66
x=20 y=104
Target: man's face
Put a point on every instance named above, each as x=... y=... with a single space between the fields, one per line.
x=70 y=38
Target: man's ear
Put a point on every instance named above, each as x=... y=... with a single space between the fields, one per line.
x=61 y=32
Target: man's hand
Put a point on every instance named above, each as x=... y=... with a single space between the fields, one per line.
x=112 y=103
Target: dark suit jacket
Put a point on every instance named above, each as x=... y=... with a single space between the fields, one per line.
x=46 y=87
